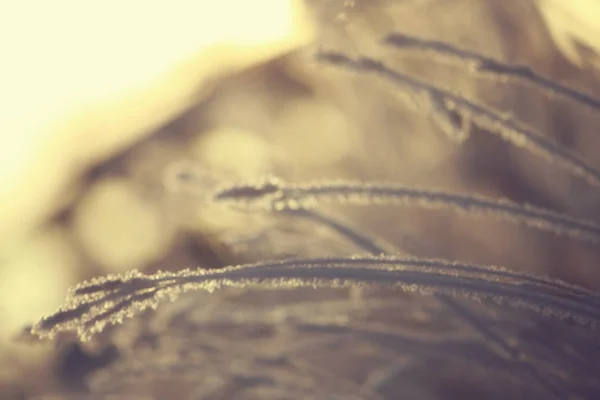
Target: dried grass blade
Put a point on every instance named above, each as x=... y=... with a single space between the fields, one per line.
x=486 y=118
x=433 y=277
x=479 y=63
x=311 y=195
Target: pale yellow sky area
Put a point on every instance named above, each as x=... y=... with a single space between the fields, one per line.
x=82 y=79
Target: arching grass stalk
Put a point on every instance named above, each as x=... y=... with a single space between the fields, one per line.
x=442 y=103
x=281 y=196
x=93 y=304
x=489 y=67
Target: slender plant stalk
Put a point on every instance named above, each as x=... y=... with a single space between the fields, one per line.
x=479 y=63
x=432 y=99
x=91 y=305
x=308 y=196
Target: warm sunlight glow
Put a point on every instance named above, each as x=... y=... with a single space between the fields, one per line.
x=83 y=79
x=573 y=21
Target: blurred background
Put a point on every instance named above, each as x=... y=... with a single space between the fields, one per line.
x=102 y=101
